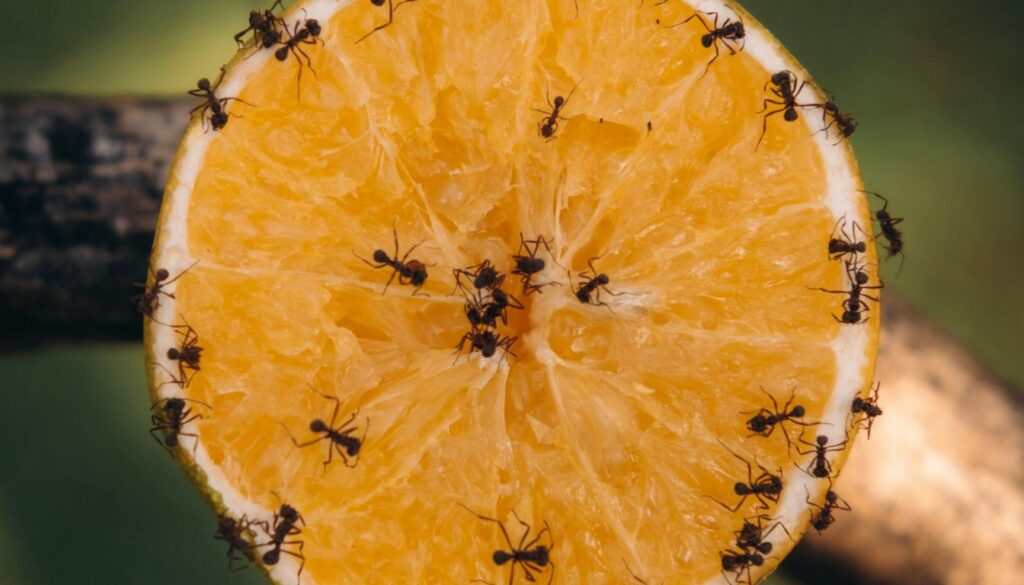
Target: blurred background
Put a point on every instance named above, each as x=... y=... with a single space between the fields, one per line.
x=87 y=497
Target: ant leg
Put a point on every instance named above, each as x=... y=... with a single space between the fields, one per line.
x=296 y=441
x=713 y=59
x=391 y=18
x=764 y=124
x=692 y=16
x=489 y=519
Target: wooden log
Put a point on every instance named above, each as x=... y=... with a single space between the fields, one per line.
x=937 y=491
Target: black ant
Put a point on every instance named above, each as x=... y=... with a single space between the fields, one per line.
x=854 y=306
x=392 y=7
x=868 y=407
x=233 y=532
x=485 y=341
x=832 y=116
x=479 y=312
x=892 y=235
x=340 y=436
x=528 y=264
x=285 y=526
x=728 y=31
x=483 y=276
x=764 y=421
x=172 y=415
x=846 y=243
x=766 y=487
x=786 y=89
x=740 y=562
x=306 y=34
x=589 y=291
x=823 y=518
x=532 y=559
x=148 y=301
x=753 y=534
x=217 y=107
x=412 y=272
x=820 y=466
x=187 y=356
x=264 y=26
x=548 y=125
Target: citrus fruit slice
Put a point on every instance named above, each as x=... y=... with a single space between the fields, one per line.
x=609 y=411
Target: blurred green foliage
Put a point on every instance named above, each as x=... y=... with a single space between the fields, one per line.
x=87 y=497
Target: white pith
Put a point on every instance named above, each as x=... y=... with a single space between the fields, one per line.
x=843 y=200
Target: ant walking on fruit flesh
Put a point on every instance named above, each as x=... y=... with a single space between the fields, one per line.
x=548 y=125
x=823 y=518
x=729 y=32
x=854 y=306
x=240 y=550
x=786 y=89
x=486 y=341
x=528 y=264
x=285 y=528
x=412 y=272
x=481 y=312
x=846 y=243
x=868 y=407
x=392 y=7
x=340 y=436
x=482 y=276
x=766 y=487
x=265 y=27
x=764 y=421
x=589 y=291
x=148 y=301
x=308 y=33
x=892 y=235
x=171 y=415
x=529 y=556
x=820 y=466
x=217 y=107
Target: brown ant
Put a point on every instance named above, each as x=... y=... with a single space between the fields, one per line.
x=752 y=535
x=528 y=264
x=892 y=235
x=172 y=414
x=868 y=407
x=786 y=89
x=483 y=276
x=285 y=526
x=728 y=31
x=820 y=466
x=548 y=125
x=854 y=306
x=846 y=243
x=217 y=107
x=479 y=312
x=233 y=532
x=764 y=421
x=740 y=562
x=486 y=341
x=148 y=301
x=340 y=436
x=529 y=556
x=392 y=7
x=832 y=116
x=823 y=518
x=308 y=33
x=766 y=487
x=589 y=291
x=187 y=356
x=412 y=272
x=264 y=26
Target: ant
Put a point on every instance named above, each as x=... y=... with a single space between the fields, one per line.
x=264 y=27
x=172 y=415
x=766 y=487
x=483 y=276
x=187 y=356
x=485 y=341
x=148 y=301
x=739 y=562
x=892 y=235
x=532 y=559
x=528 y=264
x=392 y=7
x=823 y=518
x=589 y=291
x=217 y=107
x=854 y=306
x=285 y=525
x=306 y=34
x=232 y=532
x=843 y=121
x=412 y=272
x=728 y=31
x=548 y=125
x=487 y=313
x=846 y=243
x=752 y=535
x=786 y=89
x=820 y=466
x=764 y=421
x=868 y=407
x=340 y=436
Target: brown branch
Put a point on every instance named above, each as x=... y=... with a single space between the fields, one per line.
x=937 y=491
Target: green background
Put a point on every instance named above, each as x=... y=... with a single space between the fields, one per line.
x=87 y=497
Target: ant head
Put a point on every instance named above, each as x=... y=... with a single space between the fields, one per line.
x=831 y=107
x=861 y=277
x=419 y=276
x=501 y=557
x=173 y=353
x=834 y=245
x=162 y=275
x=559 y=101
x=707 y=40
x=738 y=31
x=271 y=556
x=790 y=114
x=281 y=54
x=313 y=26
x=353 y=448
x=764 y=548
x=225 y=523
x=822 y=440
x=380 y=256
x=882 y=215
x=175 y=404
x=757 y=424
x=831 y=497
x=203 y=84
x=798 y=410
x=289 y=513
x=377 y=2
x=851 y=317
x=602 y=278
x=781 y=78
x=488 y=349
x=317 y=426
x=219 y=120
x=499 y=296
